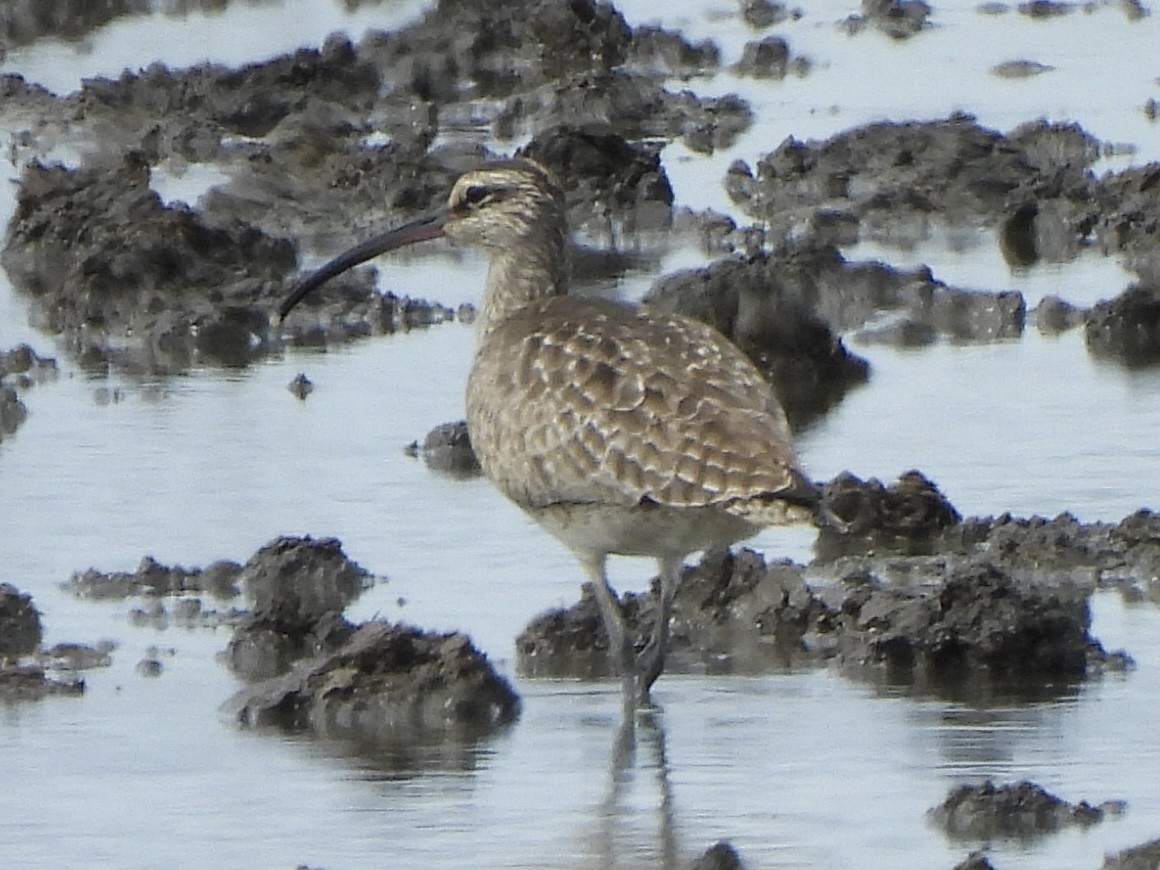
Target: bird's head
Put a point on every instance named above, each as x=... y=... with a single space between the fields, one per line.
x=501 y=206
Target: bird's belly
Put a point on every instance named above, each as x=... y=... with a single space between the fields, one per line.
x=652 y=530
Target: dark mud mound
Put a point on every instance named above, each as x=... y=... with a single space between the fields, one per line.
x=27 y=671
x=895 y=178
x=299 y=588
x=1062 y=550
x=101 y=253
x=25 y=21
x=1021 y=810
x=20 y=630
x=898 y=19
x=168 y=594
x=606 y=179
x=386 y=684
x=974 y=625
x=1126 y=329
x=13 y=412
x=732 y=613
x=571 y=641
x=976 y=860
x=20 y=368
x=447 y=450
x=860 y=516
x=154 y=580
x=868 y=526
x=719 y=856
x=897 y=182
x=923 y=598
x=1146 y=856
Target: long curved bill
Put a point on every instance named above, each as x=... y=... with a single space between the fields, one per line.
x=429 y=227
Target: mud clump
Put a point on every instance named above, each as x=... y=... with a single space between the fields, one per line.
x=898 y=19
x=1146 y=856
x=299 y=588
x=606 y=178
x=976 y=860
x=20 y=368
x=101 y=253
x=908 y=592
x=312 y=670
x=20 y=629
x=28 y=672
x=1021 y=810
x=897 y=179
x=170 y=594
x=447 y=449
x=385 y=684
x=719 y=856
x=571 y=641
x=769 y=58
x=152 y=579
x=26 y=21
x=732 y=613
x=1127 y=328
x=976 y=623
x=12 y=411
x=860 y=516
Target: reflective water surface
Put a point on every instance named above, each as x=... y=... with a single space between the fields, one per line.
x=801 y=769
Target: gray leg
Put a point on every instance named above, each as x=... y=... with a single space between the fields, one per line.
x=621 y=651
x=652 y=657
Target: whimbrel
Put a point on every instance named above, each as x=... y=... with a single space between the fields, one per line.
x=618 y=430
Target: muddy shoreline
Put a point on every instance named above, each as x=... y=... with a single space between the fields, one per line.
x=322 y=146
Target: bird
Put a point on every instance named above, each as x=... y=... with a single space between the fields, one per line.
x=618 y=430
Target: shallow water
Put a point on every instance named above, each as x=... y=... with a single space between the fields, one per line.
x=796 y=769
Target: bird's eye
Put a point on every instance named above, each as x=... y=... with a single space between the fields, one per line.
x=475 y=194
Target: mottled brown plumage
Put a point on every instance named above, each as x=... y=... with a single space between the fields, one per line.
x=618 y=430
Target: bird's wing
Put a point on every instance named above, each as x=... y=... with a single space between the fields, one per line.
x=581 y=400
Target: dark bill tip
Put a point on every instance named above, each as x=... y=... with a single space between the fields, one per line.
x=429 y=227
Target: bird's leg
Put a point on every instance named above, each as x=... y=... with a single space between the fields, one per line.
x=621 y=648
x=652 y=658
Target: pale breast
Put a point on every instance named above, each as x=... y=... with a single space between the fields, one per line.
x=586 y=401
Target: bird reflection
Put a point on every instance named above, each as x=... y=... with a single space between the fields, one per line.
x=640 y=728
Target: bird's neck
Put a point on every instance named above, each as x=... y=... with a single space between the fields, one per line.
x=521 y=275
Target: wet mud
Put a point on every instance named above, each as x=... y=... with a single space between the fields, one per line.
x=902 y=589
x=385 y=684
x=312 y=670
x=719 y=856
x=166 y=595
x=322 y=146
x=20 y=368
x=307 y=667
x=28 y=671
x=299 y=588
x=1021 y=810
x=1146 y=856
